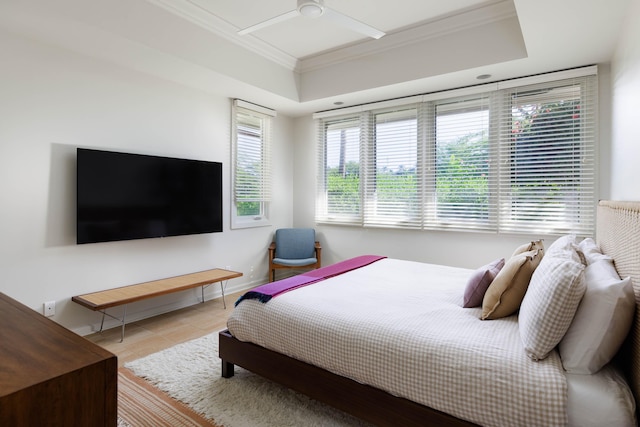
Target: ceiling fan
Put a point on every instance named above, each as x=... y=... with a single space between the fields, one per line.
x=314 y=9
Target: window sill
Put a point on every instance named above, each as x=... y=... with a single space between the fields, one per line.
x=258 y=221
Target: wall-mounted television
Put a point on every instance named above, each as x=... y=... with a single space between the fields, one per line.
x=125 y=196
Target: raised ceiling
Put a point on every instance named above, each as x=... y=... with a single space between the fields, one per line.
x=302 y=65
x=302 y=37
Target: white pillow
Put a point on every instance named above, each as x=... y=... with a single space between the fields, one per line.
x=551 y=301
x=602 y=321
x=592 y=251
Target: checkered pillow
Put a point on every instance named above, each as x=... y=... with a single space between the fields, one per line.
x=551 y=301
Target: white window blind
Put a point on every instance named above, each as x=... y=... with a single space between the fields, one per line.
x=339 y=170
x=392 y=191
x=547 y=180
x=461 y=187
x=520 y=159
x=251 y=163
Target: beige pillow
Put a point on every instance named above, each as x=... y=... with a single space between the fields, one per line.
x=505 y=294
x=531 y=246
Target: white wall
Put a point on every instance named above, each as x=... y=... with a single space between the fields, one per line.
x=53 y=100
x=626 y=93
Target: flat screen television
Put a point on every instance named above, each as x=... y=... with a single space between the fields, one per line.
x=123 y=196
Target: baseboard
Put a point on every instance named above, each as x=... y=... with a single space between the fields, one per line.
x=146 y=309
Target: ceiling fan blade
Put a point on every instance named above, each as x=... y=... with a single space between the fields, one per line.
x=352 y=24
x=268 y=22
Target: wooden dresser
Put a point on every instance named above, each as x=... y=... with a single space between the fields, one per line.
x=50 y=376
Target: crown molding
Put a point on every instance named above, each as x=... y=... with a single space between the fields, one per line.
x=419 y=33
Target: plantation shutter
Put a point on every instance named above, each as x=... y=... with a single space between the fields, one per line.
x=252 y=153
x=547 y=180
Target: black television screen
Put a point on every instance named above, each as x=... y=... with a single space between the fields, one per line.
x=122 y=196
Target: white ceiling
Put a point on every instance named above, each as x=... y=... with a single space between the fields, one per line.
x=303 y=65
x=301 y=37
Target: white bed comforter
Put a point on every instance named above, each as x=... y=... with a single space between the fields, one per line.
x=399 y=326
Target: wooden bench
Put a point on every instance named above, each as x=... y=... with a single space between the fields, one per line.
x=102 y=300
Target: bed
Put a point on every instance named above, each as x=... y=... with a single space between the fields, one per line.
x=386 y=394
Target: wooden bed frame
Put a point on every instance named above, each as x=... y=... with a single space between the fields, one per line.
x=618 y=234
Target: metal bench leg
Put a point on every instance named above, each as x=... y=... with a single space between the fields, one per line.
x=224 y=303
x=122 y=321
x=102 y=323
x=124 y=314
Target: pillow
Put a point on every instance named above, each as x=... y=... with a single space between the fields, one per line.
x=562 y=246
x=592 y=251
x=479 y=282
x=556 y=288
x=603 y=319
x=504 y=295
x=531 y=246
x=566 y=247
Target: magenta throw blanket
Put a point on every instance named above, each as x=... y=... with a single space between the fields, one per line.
x=265 y=292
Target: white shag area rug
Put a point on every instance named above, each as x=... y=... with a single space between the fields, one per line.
x=191 y=372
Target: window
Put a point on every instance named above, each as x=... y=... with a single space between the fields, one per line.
x=507 y=157
x=462 y=160
x=392 y=188
x=251 y=164
x=340 y=171
x=548 y=175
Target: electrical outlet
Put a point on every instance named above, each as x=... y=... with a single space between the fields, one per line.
x=251 y=273
x=49 y=308
x=228 y=267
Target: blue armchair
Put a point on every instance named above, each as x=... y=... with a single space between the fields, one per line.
x=294 y=248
